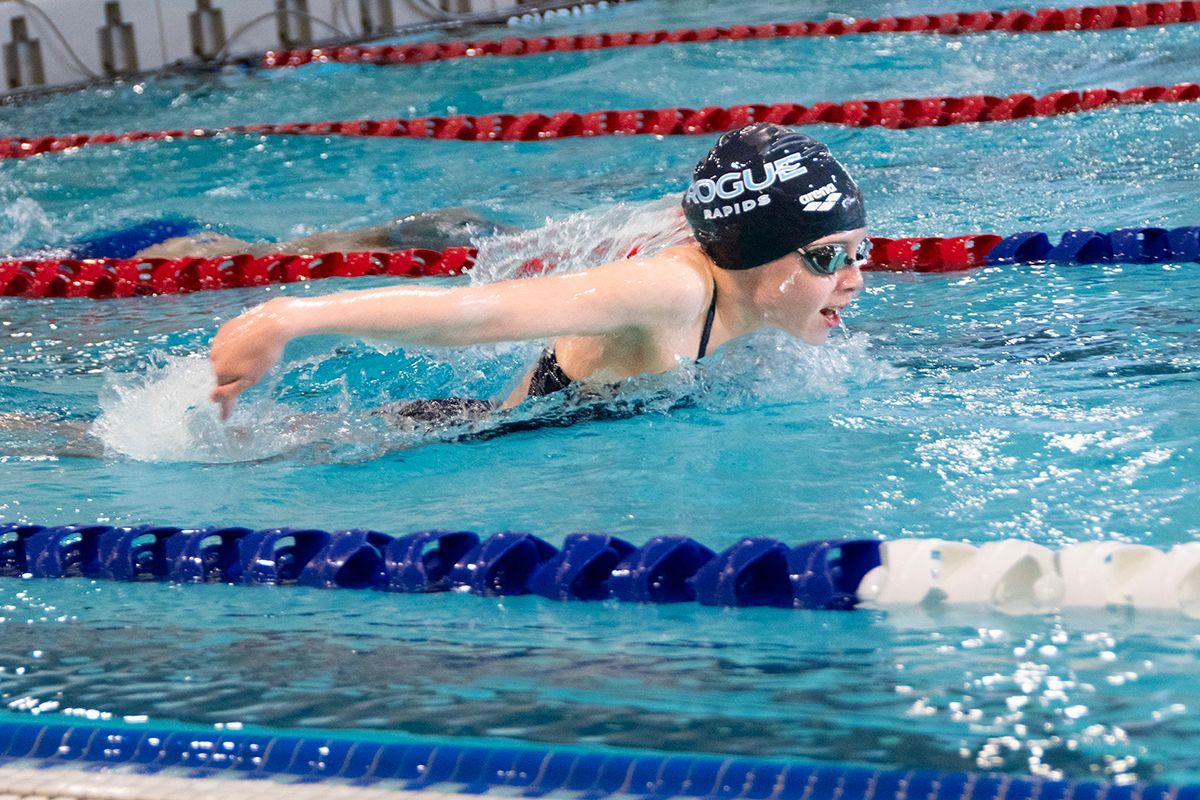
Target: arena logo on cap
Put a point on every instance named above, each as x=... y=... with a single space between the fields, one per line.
x=733 y=185
x=812 y=200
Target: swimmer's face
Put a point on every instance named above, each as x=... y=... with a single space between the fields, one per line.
x=795 y=299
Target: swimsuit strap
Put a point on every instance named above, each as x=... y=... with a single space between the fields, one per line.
x=708 y=323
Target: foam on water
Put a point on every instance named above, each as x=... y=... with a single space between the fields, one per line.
x=163 y=414
x=584 y=240
x=24 y=224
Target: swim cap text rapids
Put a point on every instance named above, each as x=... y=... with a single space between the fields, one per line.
x=765 y=190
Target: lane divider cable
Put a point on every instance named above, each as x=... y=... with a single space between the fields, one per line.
x=897 y=113
x=104 y=278
x=1076 y=18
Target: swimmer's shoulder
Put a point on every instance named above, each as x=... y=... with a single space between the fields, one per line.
x=671 y=286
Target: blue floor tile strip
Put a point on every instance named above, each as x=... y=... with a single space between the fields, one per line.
x=525 y=771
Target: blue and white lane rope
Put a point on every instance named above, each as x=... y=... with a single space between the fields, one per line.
x=1011 y=575
x=523 y=771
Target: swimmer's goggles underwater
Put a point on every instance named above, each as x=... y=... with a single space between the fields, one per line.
x=826 y=259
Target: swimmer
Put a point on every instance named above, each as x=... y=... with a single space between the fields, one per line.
x=779 y=233
x=428 y=230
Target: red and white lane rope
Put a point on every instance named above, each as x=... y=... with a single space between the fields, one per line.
x=906 y=112
x=1103 y=17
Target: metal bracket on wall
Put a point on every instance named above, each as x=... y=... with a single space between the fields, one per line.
x=294 y=23
x=207 y=25
x=23 y=57
x=377 y=16
x=118 y=47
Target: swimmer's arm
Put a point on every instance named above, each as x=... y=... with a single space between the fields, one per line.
x=615 y=297
x=618 y=297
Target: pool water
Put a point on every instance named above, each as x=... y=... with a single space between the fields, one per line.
x=1050 y=403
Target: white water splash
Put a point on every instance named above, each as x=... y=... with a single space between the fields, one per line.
x=773 y=368
x=24 y=226
x=583 y=240
x=163 y=414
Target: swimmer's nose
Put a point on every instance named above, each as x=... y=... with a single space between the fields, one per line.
x=850 y=278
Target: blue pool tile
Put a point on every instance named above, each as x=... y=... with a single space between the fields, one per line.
x=413 y=764
x=359 y=759
x=469 y=770
x=48 y=743
x=552 y=774
x=704 y=779
x=149 y=749
x=1190 y=792
x=642 y=774
x=438 y=767
x=1085 y=791
x=1021 y=789
x=73 y=744
x=494 y=771
x=857 y=784
x=1113 y=792
x=672 y=774
x=1155 y=791
x=249 y=752
x=114 y=745
x=584 y=773
x=829 y=779
x=26 y=740
x=797 y=780
x=188 y=750
x=1054 y=790
x=387 y=762
x=920 y=784
x=613 y=774
x=980 y=787
x=329 y=756
x=527 y=767
x=888 y=785
x=280 y=752
x=951 y=786
x=308 y=758
x=763 y=781
x=7 y=732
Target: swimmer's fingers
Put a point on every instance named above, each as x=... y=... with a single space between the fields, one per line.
x=225 y=395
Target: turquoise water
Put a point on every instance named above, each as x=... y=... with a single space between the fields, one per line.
x=1054 y=404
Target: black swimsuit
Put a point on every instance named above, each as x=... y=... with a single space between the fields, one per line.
x=548 y=377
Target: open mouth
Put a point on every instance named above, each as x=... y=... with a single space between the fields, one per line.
x=832 y=316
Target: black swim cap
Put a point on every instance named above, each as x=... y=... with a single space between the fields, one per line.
x=765 y=190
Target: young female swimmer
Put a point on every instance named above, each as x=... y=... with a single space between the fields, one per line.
x=780 y=233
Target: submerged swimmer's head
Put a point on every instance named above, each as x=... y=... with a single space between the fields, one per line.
x=765 y=191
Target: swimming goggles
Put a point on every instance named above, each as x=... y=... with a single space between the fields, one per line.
x=827 y=259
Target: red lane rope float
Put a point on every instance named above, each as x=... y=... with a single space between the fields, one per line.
x=1105 y=17
x=106 y=278
x=899 y=113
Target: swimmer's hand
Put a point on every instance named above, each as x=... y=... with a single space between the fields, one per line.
x=245 y=348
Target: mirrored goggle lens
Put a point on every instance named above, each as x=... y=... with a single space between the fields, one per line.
x=827 y=259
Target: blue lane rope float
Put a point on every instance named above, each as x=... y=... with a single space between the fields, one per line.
x=830 y=574
x=1085 y=246
x=588 y=566
x=523 y=770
